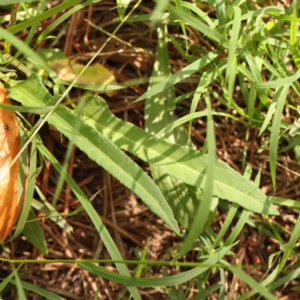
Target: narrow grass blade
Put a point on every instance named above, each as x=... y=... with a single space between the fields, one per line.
x=202 y=212
x=100 y=227
x=228 y=221
x=293 y=35
x=34 y=233
x=220 y=11
x=203 y=15
x=197 y=24
x=288 y=248
x=51 y=213
x=39 y=291
x=280 y=82
x=286 y=202
x=232 y=63
x=20 y=289
x=179 y=76
x=9 y=278
x=264 y=283
x=41 y=17
x=250 y=281
x=238 y=227
x=139 y=268
x=62 y=18
x=26 y=50
x=156 y=282
x=257 y=77
x=9 y=2
x=279 y=97
x=268 y=117
x=292 y=274
x=182 y=198
x=30 y=185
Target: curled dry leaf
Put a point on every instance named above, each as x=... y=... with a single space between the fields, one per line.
x=9 y=148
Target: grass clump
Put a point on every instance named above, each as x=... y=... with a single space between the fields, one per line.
x=219 y=84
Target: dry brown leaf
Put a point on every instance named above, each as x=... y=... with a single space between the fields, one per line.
x=9 y=148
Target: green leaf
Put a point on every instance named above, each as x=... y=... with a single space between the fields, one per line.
x=197 y=24
x=8 y=2
x=232 y=57
x=41 y=17
x=5 y=281
x=156 y=282
x=279 y=82
x=279 y=97
x=34 y=233
x=250 y=281
x=25 y=49
x=94 y=216
x=67 y=70
x=182 y=198
x=51 y=213
x=186 y=164
x=122 y=6
x=39 y=291
x=202 y=212
x=98 y=148
x=30 y=184
x=169 y=81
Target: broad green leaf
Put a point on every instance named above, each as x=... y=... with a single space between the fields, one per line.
x=186 y=164
x=32 y=110
x=98 y=148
